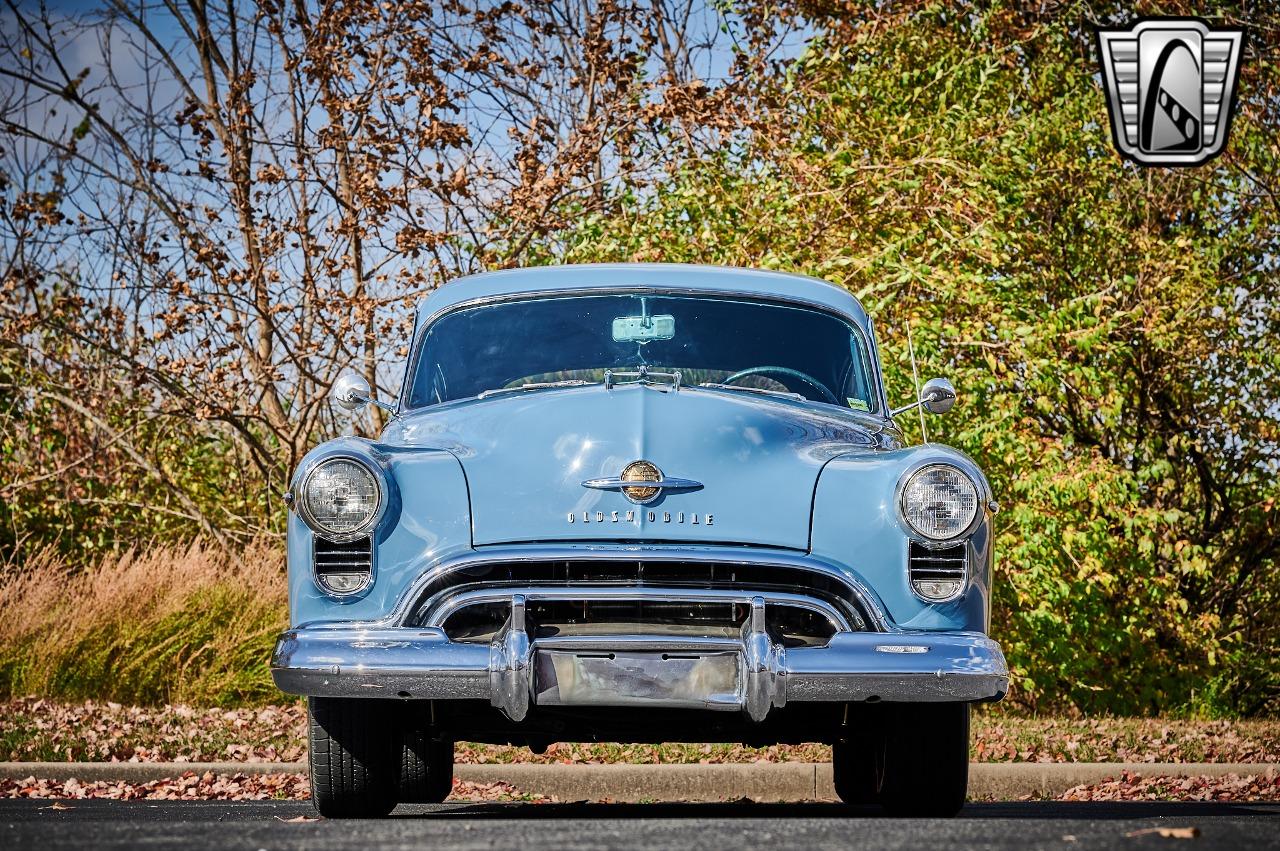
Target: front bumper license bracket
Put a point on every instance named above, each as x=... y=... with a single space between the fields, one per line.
x=691 y=680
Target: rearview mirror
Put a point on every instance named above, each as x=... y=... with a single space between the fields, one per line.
x=642 y=329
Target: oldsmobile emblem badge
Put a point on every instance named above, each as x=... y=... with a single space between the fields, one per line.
x=642 y=482
x=641 y=471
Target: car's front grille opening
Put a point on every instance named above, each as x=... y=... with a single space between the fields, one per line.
x=793 y=626
x=343 y=566
x=641 y=574
x=937 y=574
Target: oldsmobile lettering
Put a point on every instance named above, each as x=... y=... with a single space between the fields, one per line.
x=633 y=517
x=525 y=554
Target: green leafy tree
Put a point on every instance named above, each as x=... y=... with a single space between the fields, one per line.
x=1111 y=328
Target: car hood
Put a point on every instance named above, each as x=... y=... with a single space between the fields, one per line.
x=527 y=454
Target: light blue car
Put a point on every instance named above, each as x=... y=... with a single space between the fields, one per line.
x=639 y=503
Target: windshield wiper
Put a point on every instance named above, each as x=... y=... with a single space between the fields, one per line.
x=536 y=385
x=785 y=394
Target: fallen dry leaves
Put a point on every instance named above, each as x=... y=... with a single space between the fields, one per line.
x=185 y=787
x=225 y=787
x=997 y=738
x=240 y=787
x=32 y=729
x=1167 y=832
x=1229 y=788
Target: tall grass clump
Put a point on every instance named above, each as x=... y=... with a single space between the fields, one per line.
x=172 y=624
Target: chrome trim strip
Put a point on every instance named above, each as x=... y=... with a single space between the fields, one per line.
x=668 y=643
x=617 y=484
x=439 y=612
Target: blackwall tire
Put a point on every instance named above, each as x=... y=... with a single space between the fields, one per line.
x=925 y=770
x=354 y=757
x=426 y=768
x=854 y=767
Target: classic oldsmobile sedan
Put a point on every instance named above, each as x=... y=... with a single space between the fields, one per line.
x=640 y=503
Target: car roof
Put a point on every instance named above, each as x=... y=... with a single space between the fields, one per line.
x=643 y=276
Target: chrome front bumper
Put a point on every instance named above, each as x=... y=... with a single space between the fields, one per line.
x=752 y=674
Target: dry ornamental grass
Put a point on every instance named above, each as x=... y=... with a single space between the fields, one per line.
x=170 y=624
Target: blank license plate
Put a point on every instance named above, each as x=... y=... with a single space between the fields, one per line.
x=690 y=680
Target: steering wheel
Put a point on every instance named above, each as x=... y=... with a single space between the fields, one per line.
x=787 y=371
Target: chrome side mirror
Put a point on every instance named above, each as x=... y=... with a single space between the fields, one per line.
x=936 y=396
x=351 y=392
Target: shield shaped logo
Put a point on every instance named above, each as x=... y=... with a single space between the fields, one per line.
x=1171 y=86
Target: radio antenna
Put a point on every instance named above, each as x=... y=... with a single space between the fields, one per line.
x=915 y=377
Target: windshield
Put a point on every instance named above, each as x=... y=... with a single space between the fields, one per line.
x=725 y=344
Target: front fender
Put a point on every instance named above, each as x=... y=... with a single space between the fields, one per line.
x=427 y=518
x=856 y=522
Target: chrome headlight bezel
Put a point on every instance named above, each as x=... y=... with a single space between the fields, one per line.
x=979 y=493
x=363 y=529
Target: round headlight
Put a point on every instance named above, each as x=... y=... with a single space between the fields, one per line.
x=341 y=498
x=939 y=501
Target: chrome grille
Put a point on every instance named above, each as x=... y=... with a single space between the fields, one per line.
x=563 y=616
x=641 y=576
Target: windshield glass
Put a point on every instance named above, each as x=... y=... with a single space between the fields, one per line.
x=727 y=344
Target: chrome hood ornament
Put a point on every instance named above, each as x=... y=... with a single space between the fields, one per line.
x=641 y=482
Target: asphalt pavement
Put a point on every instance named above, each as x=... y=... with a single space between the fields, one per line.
x=195 y=825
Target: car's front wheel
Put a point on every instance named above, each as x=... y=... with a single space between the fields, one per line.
x=426 y=768
x=354 y=757
x=917 y=764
